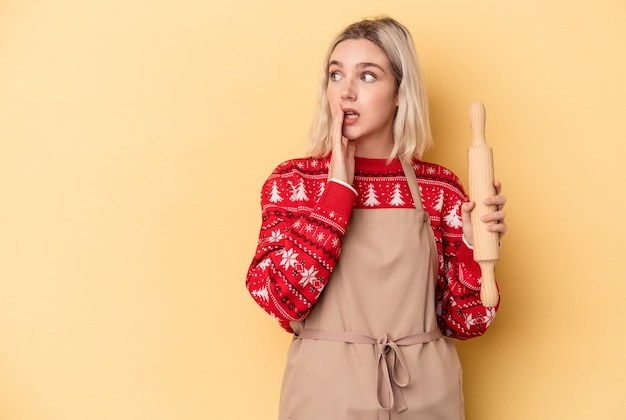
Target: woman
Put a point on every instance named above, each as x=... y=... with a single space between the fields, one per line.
x=365 y=250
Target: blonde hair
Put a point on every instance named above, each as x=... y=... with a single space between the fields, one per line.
x=411 y=126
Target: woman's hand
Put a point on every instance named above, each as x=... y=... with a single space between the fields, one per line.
x=342 y=159
x=496 y=219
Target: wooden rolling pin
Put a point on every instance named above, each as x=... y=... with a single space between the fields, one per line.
x=486 y=244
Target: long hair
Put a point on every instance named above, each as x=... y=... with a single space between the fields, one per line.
x=411 y=126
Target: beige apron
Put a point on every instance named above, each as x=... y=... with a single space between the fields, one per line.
x=371 y=349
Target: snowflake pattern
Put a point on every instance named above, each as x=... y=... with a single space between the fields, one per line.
x=276 y=236
x=472 y=320
x=309 y=275
x=289 y=258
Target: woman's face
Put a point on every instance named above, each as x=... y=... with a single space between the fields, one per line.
x=361 y=85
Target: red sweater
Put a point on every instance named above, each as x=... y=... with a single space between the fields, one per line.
x=305 y=217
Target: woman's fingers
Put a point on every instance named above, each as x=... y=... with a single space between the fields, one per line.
x=337 y=146
x=496 y=220
x=466 y=219
x=337 y=129
x=497 y=200
x=498 y=186
x=350 y=150
x=342 y=160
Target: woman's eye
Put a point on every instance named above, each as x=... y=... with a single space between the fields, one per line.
x=334 y=76
x=368 y=77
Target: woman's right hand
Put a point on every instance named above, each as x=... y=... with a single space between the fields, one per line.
x=342 y=159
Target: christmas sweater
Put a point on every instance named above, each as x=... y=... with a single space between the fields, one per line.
x=304 y=219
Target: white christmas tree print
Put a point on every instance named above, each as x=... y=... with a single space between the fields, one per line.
x=293 y=191
x=298 y=193
x=261 y=293
x=452 y=218
x=439 y=203
x=265 y=263
x=274 y=194
x=372 y=199
x=396 y=197
x=322 y=189
x=301 y=191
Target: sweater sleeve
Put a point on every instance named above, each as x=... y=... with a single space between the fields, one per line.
x=461 y=314
x=299 y=243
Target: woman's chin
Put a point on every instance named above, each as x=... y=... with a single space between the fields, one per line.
x=350 y=133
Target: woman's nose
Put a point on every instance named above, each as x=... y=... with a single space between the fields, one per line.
x=347 y=92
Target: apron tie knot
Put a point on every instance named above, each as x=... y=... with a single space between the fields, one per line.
x=392 y=374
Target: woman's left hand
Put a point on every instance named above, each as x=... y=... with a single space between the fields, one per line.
x=495 y=219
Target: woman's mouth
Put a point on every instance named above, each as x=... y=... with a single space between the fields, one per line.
x=350 y=117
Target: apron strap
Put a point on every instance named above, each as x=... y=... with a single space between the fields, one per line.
x=392 y=373
x=411 y=179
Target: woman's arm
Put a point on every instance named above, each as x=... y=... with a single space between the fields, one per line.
x=299 y=243
x=460 y=312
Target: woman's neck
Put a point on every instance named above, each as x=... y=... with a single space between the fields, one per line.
x=373 y=148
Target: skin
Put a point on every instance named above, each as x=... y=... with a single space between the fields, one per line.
x=361 y=83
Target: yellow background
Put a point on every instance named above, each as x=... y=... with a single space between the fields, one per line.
x=135 y=136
